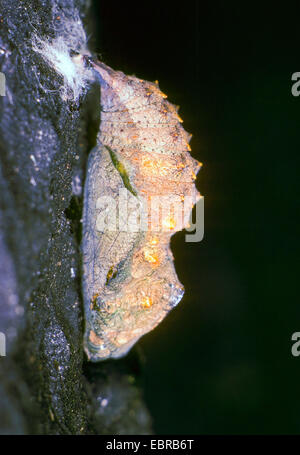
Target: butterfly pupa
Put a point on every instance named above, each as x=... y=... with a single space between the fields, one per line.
x=139 y=191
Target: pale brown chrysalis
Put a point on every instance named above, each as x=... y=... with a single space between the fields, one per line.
x=139 y=191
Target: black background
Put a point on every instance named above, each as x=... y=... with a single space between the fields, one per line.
x=221 y=361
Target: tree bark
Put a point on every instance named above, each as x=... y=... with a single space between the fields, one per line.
x=46 y=386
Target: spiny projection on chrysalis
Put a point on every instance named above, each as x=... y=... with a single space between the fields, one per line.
x=141 y=169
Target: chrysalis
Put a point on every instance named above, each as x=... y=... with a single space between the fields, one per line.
x=139 y=191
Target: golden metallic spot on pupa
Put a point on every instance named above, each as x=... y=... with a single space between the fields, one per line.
x=93 y=305
x=150 y=256
x=147 y=163
x=112 y=273
x=169 y=223
x=162 y=94
x=146 y=302
x=154 y=241
x=180 y=165
x=157 y=167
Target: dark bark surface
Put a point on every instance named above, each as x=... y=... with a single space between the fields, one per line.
x=45 y=385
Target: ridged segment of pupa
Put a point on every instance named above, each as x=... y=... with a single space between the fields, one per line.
x=130 y=283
